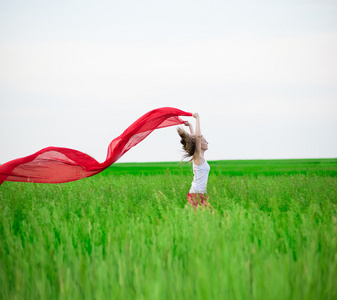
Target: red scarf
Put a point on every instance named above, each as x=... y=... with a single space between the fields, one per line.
x=57 y=165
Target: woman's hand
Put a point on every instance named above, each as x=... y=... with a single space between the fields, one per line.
x=190 y=126
x=195 y=115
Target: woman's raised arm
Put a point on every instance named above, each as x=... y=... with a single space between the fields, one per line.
x=197 y=135
x=190 y=126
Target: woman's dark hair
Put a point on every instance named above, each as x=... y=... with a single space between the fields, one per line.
x=188 y=142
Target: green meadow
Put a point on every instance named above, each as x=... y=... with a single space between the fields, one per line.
x=128 y=233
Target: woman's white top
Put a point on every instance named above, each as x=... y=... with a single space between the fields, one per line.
x=199 y=184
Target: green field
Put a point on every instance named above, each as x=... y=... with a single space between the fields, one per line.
x=233 y=167
x=127 y=233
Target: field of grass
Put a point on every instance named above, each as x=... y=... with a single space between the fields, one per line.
x=128 y=234
x=233 y=167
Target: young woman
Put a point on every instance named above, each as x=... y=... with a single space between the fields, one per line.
x=195 y=146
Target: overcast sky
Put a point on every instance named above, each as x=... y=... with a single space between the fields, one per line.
x=261 y=74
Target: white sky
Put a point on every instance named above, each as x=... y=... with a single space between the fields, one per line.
x=261 y=74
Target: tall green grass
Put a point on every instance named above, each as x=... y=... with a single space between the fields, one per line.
x=133 y=237
x=267 y=167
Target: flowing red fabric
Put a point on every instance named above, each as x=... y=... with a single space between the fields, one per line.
x=57 y=165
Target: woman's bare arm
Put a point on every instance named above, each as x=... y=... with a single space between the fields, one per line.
x=190 y=126
x=197 y=136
